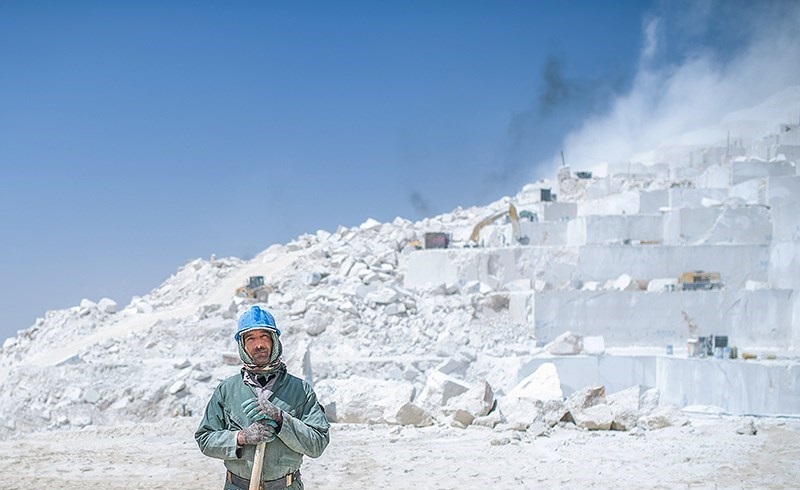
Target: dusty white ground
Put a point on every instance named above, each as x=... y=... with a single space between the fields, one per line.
x=707 y=453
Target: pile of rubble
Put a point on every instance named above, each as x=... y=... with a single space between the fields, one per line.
x=462 y=336
x=535 y=405
x=349 y=325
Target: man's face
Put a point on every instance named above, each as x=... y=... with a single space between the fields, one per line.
x=258 y=345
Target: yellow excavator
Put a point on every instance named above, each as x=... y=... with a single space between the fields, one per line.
x=513 y=216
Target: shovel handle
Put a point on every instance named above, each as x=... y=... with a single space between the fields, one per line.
x=258 y=464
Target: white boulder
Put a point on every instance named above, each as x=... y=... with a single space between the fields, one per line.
x=586 y=397
x=567 y=343
x=383 y=296
x=439 y=389
x=625 y=405
x=543 y=384
x=594 y=345
x=107 y=305
x=596 y=417
x=478 y=401
x=520 y=413
x=663 y=416
x=360 y=400
x=410 y=414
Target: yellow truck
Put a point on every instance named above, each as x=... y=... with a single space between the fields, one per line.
x=690 y=281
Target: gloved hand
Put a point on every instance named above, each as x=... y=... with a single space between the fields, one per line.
x=257 y=432
x=262 y=409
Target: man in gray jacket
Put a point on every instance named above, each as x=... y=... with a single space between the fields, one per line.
x=262 y=403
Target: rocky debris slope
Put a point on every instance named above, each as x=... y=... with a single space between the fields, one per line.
x=379 y=348
x=348 y=323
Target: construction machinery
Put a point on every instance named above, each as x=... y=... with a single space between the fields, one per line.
x=434 y=239
x=437 y=240
x=255 y=289
x=513 y=216
x=528 y=215
x=690 y=281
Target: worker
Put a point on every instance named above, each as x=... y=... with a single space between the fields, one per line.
x=262 y=403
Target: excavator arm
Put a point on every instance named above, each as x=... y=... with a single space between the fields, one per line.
x=513 y=217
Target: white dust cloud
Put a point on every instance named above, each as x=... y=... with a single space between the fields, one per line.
x=670 y=104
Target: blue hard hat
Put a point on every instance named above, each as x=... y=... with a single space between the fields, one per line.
x=253 y=318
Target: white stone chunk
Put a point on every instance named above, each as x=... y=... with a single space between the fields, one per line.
x=107 y=305
x=370 y=224
x=357 y=269
x=383 y=296
x=586 y=397
x=475 y=402
x=347 y=264
x=542 y=384
x=143 y=307
x=72 y=394
x=410 y=414
x=664 y=416
x=362 y=290
x=751 y=285
x=648 y=401
x=177 y=387
x=360 y=400
x=316 y=324
x=90 y=395
x=348 y=307
x=520 y=413
x=182 y=364
x=567 y=343
x=625 y=283
x=553 y=412
x=625 y=405
x=471 y=287
x=594 y=344
x=453 y=365
x=389 y=257
x=439 y=388
x=596 y=417
x=395 y=309
x=661 y=285
x=313 y=278
x=748 y=428
x=591 y=286
x=87 y=304
x=370 y=277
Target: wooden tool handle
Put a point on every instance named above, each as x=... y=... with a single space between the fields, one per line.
x=258 y=463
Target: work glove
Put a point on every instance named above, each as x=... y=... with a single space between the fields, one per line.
x=259 y=432
x=262 y=409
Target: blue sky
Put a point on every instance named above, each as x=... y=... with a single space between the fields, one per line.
x=135 y=136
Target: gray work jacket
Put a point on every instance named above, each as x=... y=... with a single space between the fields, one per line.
x=304 y=430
